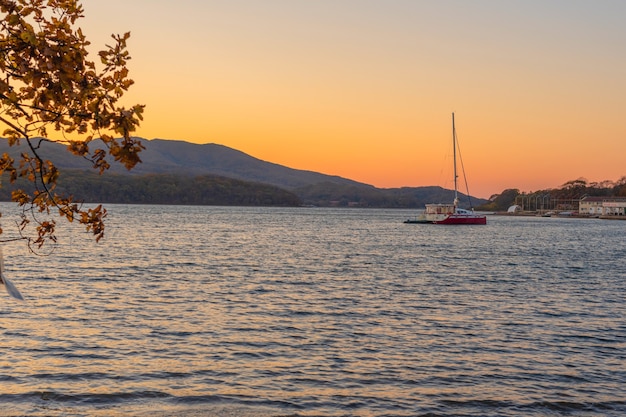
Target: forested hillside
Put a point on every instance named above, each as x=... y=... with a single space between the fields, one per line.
x=166 y=189
x=327 y=194
x=184 y=158
x=177 y=172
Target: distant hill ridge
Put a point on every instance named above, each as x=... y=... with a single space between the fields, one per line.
x=168 y=156
x=182 y=158
x=179 y=157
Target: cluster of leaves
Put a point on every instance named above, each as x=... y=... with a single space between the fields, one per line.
x=48 y=82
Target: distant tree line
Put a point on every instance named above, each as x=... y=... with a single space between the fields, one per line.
x=217 y=190
x=571 y=190
x=165 y=189
x=339 y=195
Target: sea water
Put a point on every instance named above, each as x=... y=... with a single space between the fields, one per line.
x=195 y=311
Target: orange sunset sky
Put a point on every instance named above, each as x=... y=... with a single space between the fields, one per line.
x=364 y=89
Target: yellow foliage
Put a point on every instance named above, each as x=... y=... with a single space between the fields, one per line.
x=47 y=81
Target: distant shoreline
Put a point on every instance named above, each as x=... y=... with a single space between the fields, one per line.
x=561 y=215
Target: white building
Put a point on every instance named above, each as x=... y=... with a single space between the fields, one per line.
x=602 y=206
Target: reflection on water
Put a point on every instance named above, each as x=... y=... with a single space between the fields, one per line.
x=230 y=311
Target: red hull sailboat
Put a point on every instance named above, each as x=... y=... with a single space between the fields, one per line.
x=450 y=213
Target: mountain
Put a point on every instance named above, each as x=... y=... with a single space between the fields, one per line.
x=166 y=156
x=181 y=159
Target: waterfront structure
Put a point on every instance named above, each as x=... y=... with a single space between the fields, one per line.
x=602 y=206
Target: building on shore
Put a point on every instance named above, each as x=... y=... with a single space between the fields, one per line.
x=605 y=207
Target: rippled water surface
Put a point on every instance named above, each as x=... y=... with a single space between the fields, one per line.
x=198 y=311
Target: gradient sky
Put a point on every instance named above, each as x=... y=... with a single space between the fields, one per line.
x=364 y=89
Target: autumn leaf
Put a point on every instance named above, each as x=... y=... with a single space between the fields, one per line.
x=48 y=84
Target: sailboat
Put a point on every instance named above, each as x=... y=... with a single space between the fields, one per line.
x=450 y=213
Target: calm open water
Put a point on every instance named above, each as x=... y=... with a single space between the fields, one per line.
x=195 y=311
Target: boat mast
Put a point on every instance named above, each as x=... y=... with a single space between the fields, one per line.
x=456 y=196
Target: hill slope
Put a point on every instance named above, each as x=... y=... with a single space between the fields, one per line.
x=184 y=159
x=179 y=157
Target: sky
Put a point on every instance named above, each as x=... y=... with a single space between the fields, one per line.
x=365 y=89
